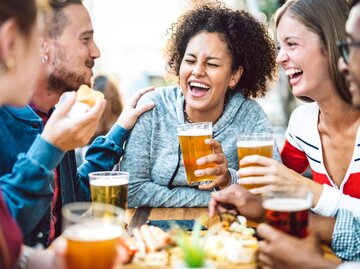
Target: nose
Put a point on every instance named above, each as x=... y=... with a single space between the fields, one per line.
x=342 y=66
x=198 y=70
x=282 y=56
x=94 y=51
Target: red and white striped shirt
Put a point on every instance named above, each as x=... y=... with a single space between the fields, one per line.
x=303 y=148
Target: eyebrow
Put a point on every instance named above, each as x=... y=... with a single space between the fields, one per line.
x=207 y=58
x=87 y=32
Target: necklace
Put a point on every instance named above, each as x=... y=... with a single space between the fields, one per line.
x=187 y=118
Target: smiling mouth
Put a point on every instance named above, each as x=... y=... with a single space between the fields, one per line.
x=294 y=73
x=198 y=88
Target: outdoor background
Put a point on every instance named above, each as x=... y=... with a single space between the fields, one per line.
x=131 y=34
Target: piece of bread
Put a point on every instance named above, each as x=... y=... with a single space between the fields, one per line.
x=88 y=96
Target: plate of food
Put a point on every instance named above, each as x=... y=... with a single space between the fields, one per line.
x=227 y=244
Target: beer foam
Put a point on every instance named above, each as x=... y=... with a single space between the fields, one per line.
x=286 y=204
x=93 y=232
x=195 y=132
x=254 y=144
x=109 y=182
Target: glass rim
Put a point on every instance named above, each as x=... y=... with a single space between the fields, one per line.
x=68 y=215
x=109 y=173
x=194 y=124
x=255 y=137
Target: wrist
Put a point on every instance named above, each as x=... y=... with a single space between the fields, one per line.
x=227 y=181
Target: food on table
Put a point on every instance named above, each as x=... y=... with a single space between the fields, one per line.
x=231 y=241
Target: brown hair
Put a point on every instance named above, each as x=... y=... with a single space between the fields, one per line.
x=58 y=20
x=24 y=12
x=248 y=42
x=114 y=106
x=326 y=19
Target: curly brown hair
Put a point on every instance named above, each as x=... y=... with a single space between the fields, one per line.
x=248 y=41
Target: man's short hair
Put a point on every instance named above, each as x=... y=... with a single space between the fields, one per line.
x=57 y=18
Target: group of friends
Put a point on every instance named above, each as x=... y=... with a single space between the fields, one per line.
x=223 y=59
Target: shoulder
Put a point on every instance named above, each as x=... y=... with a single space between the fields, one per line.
x=306 y=111
x=162 y=94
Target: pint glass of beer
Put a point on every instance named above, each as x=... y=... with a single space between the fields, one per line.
x=192 y=143
x=92 y=231
x=287 y=209
x=254 y=144
x=109 y=187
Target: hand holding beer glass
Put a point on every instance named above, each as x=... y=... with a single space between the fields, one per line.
x=92 y=232
x=254 y=144
x=287 y=208
x=192 y=143
x=109 y=187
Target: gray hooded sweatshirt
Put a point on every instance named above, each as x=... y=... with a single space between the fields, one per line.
x=152 y=151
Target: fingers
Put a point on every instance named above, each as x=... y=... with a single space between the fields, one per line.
x=134 y=100
x=260 y=160
x=60 y=252
x=216 y=145
x=143 y=108
x=265 y=180
x=67 y=100
x=93 y=115
x=212 y=207
x=269 y=233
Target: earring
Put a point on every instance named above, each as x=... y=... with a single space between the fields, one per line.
x=10 y=64
x=44 y=58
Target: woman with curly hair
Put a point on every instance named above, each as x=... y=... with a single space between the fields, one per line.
x=222 y=58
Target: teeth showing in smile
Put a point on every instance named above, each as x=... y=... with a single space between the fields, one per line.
x=292 y=72
x=199 y=85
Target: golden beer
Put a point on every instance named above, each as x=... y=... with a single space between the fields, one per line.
x=254 y=147
x=109 y=187
x=91 y=246
x=110 y=191
x=92 y=231
x=193 y=147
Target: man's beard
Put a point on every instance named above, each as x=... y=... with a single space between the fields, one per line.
x=62 y=81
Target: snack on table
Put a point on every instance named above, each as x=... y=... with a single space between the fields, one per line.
x=229 y=242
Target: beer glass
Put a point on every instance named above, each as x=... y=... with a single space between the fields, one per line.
x=254 y=144
x=109 y=187
x=92 y=231
x=192 y=143
x=287 y=208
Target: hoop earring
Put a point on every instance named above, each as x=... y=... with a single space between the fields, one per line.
x=44 y=59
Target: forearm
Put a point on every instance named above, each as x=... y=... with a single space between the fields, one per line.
x=28 y=189
x=104 y=152
x=149 y=194
x=332 y=199
x=322 y=226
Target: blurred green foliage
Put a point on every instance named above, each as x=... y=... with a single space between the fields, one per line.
x=268 y=7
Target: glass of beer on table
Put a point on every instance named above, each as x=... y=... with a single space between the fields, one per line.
x=287 y=208
x=92 y=232
x=254 y=144
x=192 y=143
x=109 y=187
